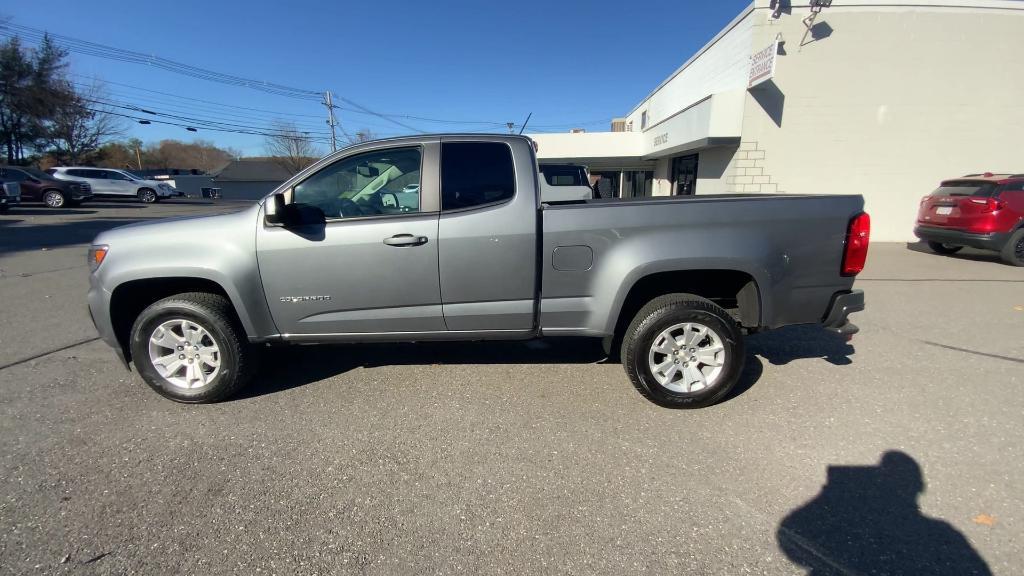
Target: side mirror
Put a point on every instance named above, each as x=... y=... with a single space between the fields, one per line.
x=367 y=171
x=277 y=212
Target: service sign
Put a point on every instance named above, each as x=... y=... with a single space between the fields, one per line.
x=762 y=65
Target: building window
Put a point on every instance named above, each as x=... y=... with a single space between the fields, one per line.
x=643 y=120
x=637 y=183
x=684 y=175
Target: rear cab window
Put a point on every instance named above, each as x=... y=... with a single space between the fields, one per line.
x=564 y=175
x=476 y=174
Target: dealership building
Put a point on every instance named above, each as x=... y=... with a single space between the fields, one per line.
x=873 y=97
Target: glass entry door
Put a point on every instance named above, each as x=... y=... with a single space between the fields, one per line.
x=684 y=175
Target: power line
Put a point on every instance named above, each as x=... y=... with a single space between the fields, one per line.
x=234 y=131
x=110 y=52
x=247 y=108
x=194 y=121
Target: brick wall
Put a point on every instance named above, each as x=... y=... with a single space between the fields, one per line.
x=747 y=173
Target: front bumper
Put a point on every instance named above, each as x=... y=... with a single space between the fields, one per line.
x=99 y=313
x=843 y=304
x=991 y=241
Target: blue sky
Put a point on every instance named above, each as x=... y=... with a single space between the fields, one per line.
x=571 y=63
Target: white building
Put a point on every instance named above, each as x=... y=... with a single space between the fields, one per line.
x=876 y=97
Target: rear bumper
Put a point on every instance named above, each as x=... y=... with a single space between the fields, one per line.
x=992 y=241
x=843 y=304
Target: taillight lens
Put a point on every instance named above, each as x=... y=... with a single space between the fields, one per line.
x=989 y=204
x=96 y=256
x=858 y=235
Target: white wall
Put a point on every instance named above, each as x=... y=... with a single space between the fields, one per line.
x=896 y=99
x=721 y=66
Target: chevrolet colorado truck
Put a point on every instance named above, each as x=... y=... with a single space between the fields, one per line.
x=444 y=237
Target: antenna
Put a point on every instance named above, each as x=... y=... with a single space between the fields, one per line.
x=526 y=122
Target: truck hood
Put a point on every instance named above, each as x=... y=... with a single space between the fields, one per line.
x=198 y=231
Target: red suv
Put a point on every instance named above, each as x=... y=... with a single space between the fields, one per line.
x=979 y=210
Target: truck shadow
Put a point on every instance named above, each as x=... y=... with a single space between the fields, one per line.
x=317 y=363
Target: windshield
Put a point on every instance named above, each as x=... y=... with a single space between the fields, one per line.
x=965 y=188
x=129 y=175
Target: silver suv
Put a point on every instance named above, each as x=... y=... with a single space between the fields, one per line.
x=115 y=183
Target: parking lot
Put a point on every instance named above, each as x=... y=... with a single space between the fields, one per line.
x=534 y=457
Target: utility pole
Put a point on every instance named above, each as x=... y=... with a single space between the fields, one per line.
x=138 y=155
x=330 y=120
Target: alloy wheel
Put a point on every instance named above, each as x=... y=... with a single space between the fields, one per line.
x=687 y=357
x=184 y=353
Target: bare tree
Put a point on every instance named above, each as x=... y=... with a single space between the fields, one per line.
x=81 y=125
x=292 y=149
x=363 y=135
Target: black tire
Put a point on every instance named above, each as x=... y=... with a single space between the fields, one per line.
x=661 y=314
x=940 y=248
x=1013 y=250
x=54 y=198
x=148 y=196
x=214 y=314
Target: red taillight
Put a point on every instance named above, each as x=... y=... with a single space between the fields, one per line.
x=855 y=254
x=989 y=204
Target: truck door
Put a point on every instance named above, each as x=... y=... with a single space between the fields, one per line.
x=372 y=268
x=487 y=234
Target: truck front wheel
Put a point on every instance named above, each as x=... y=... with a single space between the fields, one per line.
x=683 y=351
x=190 y=348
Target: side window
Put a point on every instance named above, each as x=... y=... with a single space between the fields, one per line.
x=14 y=175
x=476 y=173
x=111 y=175
x=78 y=173
x=381 y=182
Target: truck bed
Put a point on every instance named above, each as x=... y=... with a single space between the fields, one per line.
x=790 y=246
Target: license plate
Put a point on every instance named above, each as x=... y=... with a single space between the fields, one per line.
x=944 y=210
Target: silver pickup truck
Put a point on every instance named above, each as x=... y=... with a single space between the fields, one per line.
x=443 y=237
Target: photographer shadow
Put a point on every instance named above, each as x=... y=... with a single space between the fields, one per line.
x=866 y=520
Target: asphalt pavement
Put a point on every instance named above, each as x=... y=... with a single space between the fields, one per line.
x=897 y=452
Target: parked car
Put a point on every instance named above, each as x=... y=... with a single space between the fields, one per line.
x=672 y=283
x=38 y=186
x=10 y=195
x=564 y=183
x=978 y=210
x=108 y=182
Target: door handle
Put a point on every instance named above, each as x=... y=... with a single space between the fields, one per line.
x=405 y=240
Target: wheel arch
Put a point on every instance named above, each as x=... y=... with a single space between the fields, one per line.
x=731 y=288
x=128 y=299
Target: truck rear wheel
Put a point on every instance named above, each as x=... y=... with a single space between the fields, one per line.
x=190 y=348
x=683 y=351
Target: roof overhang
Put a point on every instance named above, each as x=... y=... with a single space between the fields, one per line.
x=715 y=120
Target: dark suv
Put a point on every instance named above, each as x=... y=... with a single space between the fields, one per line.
x=979 y=210
x=38 y=186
